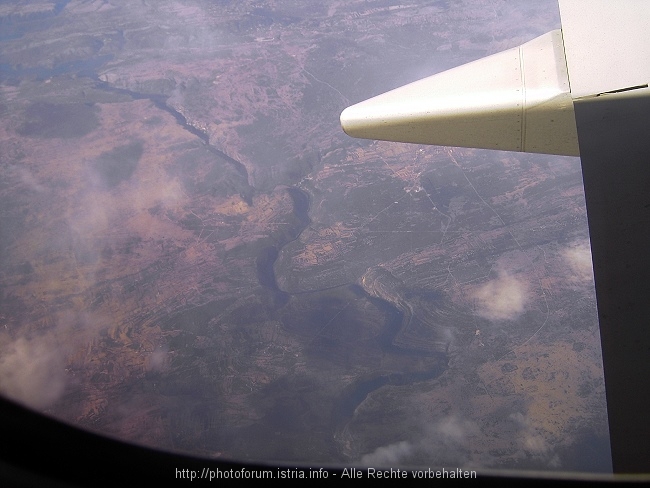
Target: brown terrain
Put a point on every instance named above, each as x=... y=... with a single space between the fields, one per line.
x=193 y=256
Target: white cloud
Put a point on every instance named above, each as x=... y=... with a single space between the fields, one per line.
x=32 y=371
x=391 y=455
x=33 y=367
x=157 y=360
x=503 y=298
x=578 y=257
x=533 y=442
x=441 y=444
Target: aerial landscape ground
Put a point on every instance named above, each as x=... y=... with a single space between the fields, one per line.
x=194 y=256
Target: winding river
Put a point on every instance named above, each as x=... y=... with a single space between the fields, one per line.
x=377 y=284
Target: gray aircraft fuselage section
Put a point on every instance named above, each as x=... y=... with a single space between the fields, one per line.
x=615 y=153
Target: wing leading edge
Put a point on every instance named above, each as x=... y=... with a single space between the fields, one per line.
x=515 y=100
x=579 y=91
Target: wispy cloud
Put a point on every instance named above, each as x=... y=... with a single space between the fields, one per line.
x=32 y=371
x=441 y=444
x=391 y=455
x=531 y=440
x=32 y=366
x=533 y=443
x=448 y=443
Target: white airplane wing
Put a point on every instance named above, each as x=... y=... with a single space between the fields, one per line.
x=516 y=100
x=582 y=90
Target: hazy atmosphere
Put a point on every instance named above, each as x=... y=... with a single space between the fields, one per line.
x=195 y=257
